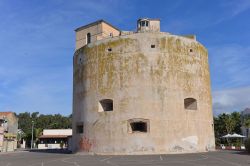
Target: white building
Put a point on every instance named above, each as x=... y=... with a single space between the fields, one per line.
x=55 y=139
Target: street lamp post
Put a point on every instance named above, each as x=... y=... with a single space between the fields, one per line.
x=32 y=134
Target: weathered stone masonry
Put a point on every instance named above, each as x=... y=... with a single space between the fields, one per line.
x=141 y=92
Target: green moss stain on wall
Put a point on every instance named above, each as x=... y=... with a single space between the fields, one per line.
x=106 y=71
x=112 y=63
x=119 y=68
x=187 y=62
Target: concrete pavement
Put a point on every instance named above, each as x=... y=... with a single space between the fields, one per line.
x=219 y=158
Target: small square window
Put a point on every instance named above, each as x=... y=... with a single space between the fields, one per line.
x=152 y=46
x=79 y=128
x=138 y=125
x=190 y=103
x=105 y=105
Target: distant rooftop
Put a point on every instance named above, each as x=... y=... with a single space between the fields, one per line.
x=95 y=23
x=6 y=113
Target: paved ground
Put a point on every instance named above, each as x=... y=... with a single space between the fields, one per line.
x=52 y=159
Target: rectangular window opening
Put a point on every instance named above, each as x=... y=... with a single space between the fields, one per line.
x=106 y=105
x=190 y=103
x=152 y=46
x=88 y=38
x=79 y=128
x=139 y=127
x=143 y=23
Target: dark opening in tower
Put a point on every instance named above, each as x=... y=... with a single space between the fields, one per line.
x=190 y=103
x=138 y=126
x=106 y=105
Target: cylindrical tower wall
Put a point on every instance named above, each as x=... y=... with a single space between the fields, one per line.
x=151 y=78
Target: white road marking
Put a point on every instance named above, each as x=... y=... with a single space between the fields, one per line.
x=161 y=158
x=106 y=159
x=109 y=162
x=74 y=163
x=8 y=164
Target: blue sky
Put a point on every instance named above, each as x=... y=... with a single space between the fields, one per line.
x=37 y=46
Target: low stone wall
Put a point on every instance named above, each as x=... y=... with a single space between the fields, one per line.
x=49 y=146
x=8 y=146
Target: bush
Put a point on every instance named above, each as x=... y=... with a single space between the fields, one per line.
x=247 y=145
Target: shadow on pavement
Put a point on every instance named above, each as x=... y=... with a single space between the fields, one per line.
x=240 y=152
x=60 y=151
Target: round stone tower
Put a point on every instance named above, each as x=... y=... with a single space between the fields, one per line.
x=143 y=92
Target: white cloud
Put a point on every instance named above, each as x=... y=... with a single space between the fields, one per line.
x=230 y=69
x=230 y=100
x=208 y=16
x=238 y=6
x=232 y=9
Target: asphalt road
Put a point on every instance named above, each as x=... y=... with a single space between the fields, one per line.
x=52 y=159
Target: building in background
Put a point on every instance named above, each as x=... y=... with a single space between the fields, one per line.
x=140 y=92
x=8 y=131
x=94 y=32
x=2 y=129
x=245 y=114
x=55 y=139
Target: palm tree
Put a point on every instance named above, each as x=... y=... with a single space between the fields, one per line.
x=229 y=124
x=38 y=133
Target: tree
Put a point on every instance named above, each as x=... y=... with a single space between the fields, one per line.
x=246 y=123
x=236 y=117
x=229 y=124
x=41 y=122
x=24 y=123
x=226 y=124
